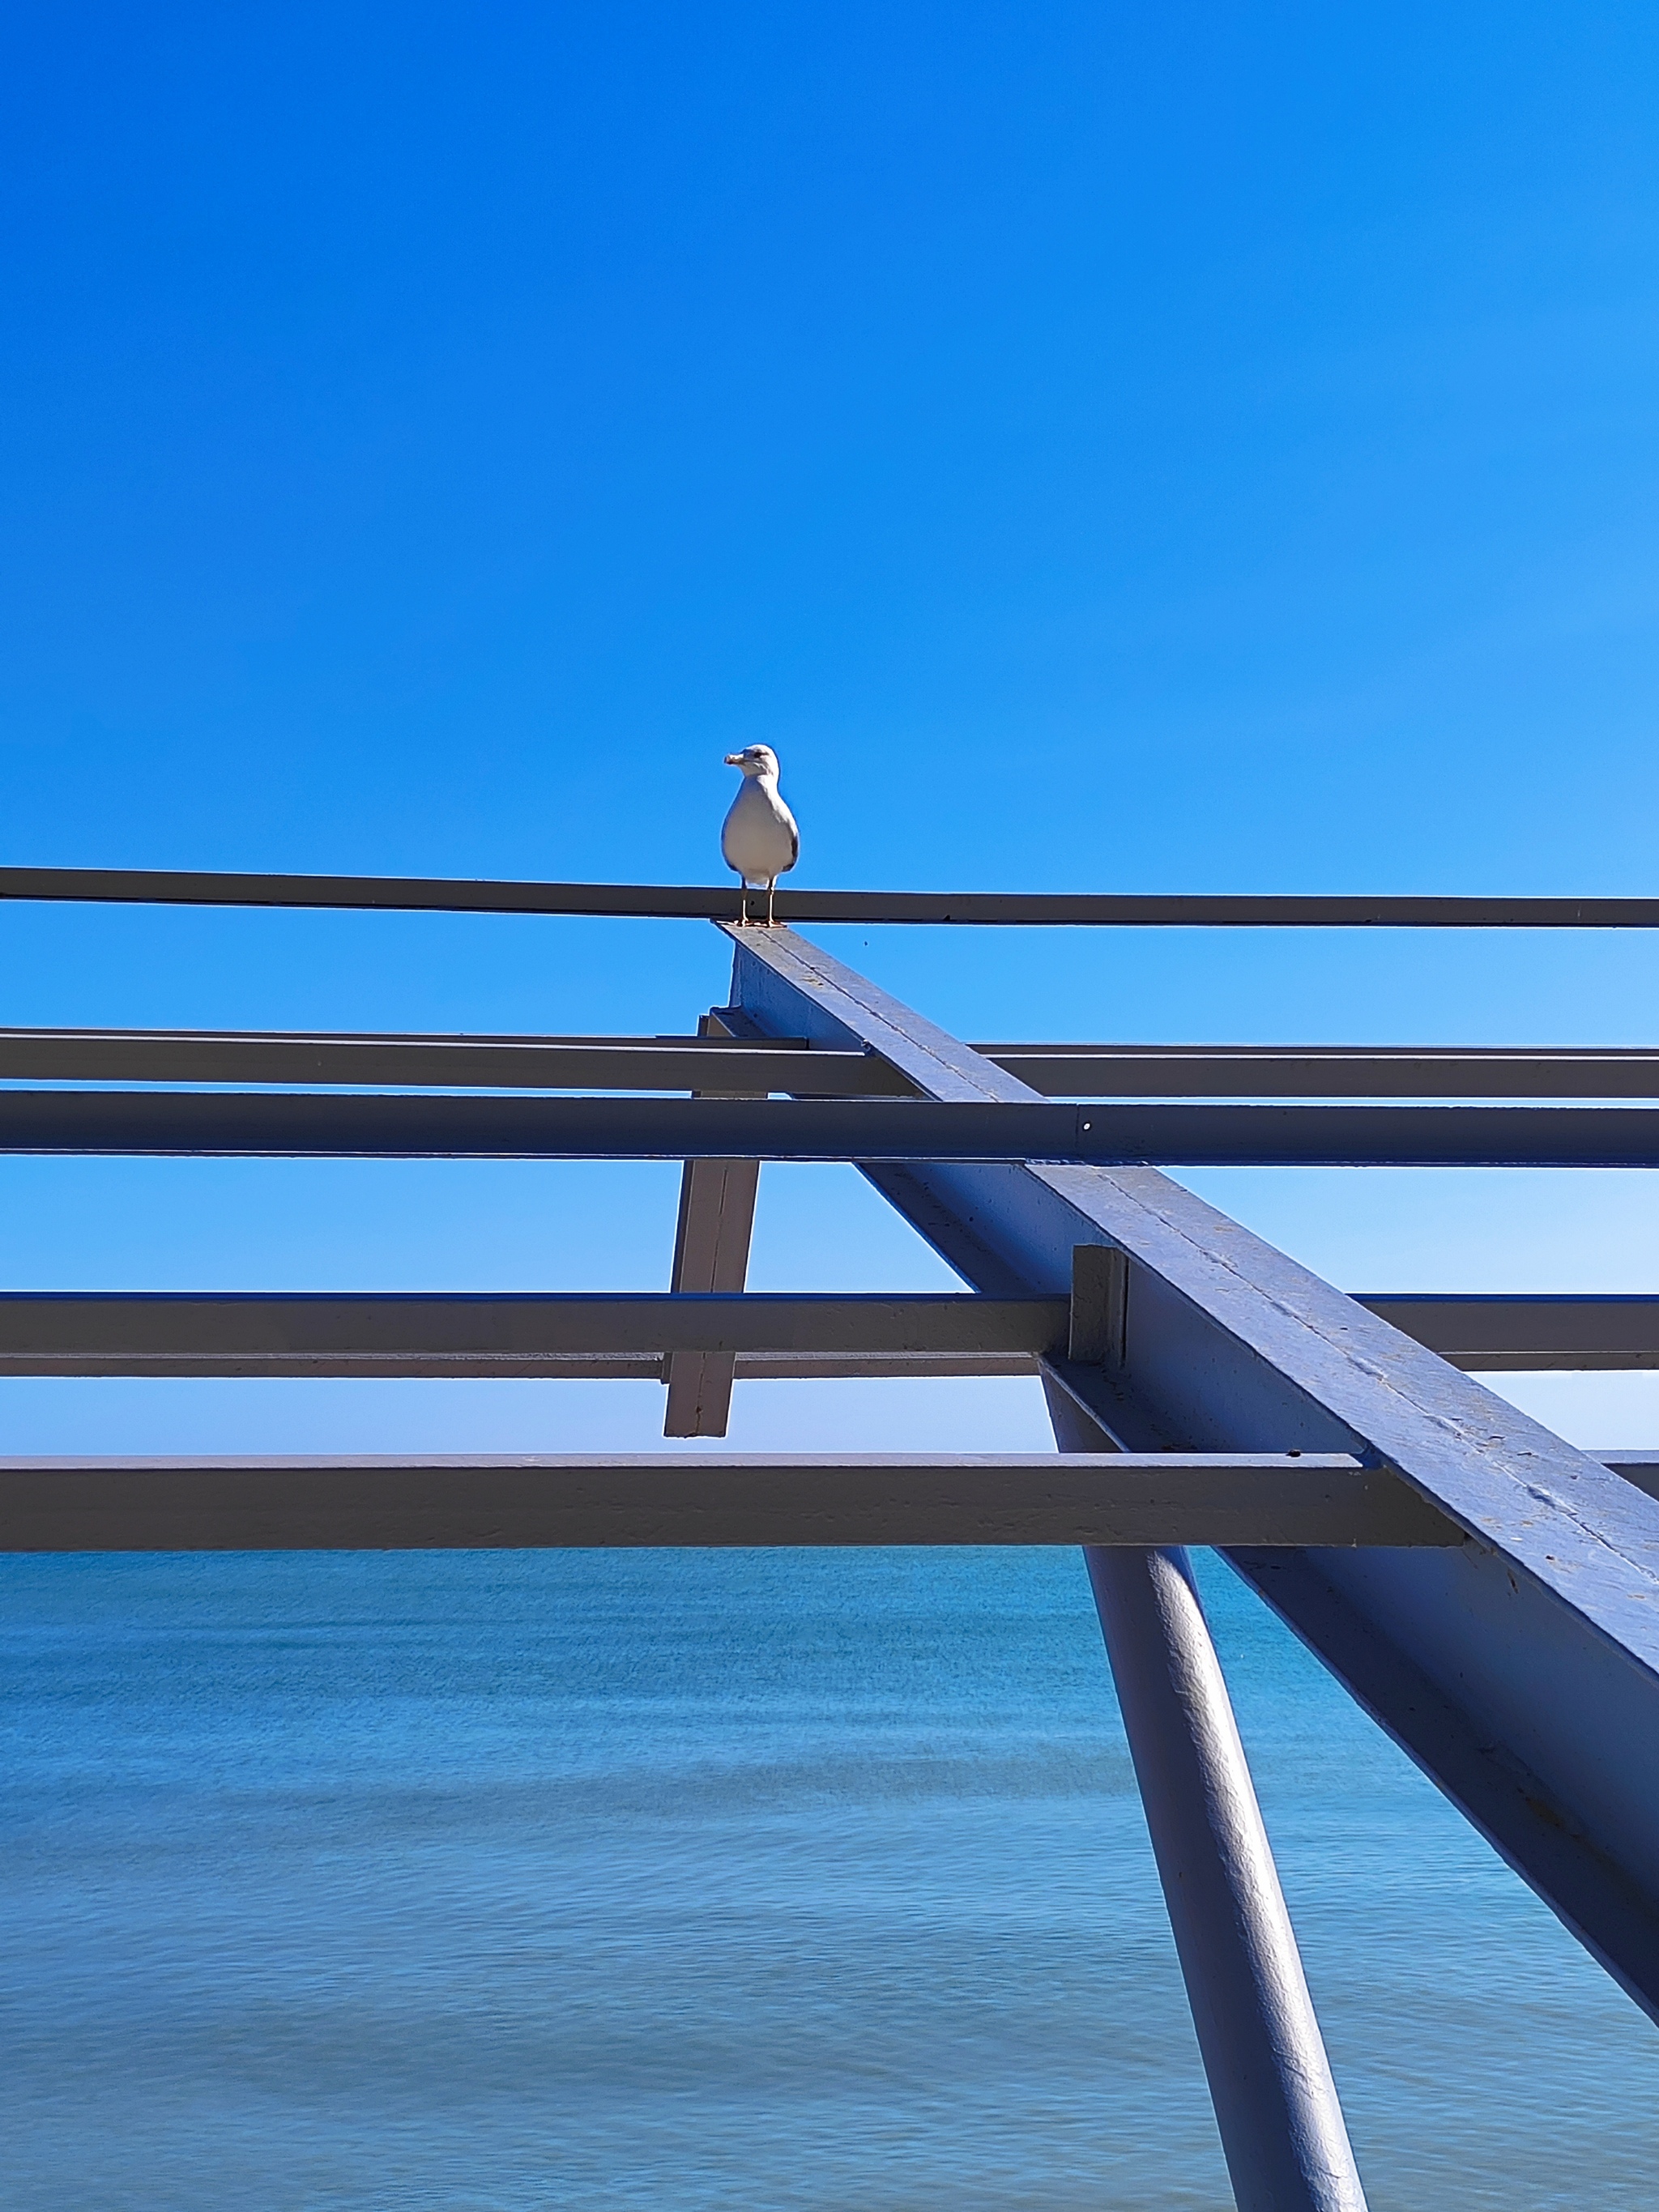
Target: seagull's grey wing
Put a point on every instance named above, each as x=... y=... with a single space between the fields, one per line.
x=795 y=846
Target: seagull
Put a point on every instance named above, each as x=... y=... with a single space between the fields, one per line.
x=760 y=839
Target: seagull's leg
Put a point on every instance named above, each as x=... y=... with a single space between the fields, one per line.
x=771 y=894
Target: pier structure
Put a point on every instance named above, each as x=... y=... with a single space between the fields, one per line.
x=1487 y=1592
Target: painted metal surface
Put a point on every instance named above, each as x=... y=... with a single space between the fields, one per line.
x=426 y=1502
x=339 y=1332
x=719 y=902
x=627 y=1333
x=733 y=1067
x=1281 y=2123
x=1520 y=1335
x=1518 y=1669
x=1106 y=1071
x=1640 y=1467
x=712 y=1236
x=482 y=1126
x=720 y=1066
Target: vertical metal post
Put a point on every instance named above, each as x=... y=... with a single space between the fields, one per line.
x=1282 y=2130
x=711 y=1253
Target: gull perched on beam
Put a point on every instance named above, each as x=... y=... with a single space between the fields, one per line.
x=760 y=839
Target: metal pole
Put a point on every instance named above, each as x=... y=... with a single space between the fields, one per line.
x=1282 y=2129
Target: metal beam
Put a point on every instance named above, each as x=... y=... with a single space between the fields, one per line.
x=1276 y=2104
x=404 y=1503
x=1640 y=1467
x=289 y=1124
x=1519 y=1670
x=766 y=1333
x=717 y=1066
x=719 y=902
x=508 y=1334
x=1106 y=1071
x=712 y=1236
x=1528 y=1335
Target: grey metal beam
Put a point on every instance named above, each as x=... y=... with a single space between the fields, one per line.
x=1521 y=1670
x=436 y=1332
x=717 y=1066
x=1528 y=1335
x=402 y=1503
x=712 y=1236
x=719 y=902
x=1276 y=2104
x=1640 y=1467
x=550 y=1367
x=279 y=1124
x=737 y=1066
x=1106 y=1071
x=768 y=1334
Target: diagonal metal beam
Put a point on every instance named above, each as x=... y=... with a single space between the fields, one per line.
x=1275 y=2102
x=1518 y=1670
x=1276 y=2106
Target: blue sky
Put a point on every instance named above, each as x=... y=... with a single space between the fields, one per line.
x=1100 y=447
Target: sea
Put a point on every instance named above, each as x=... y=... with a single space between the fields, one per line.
x=713 y=1882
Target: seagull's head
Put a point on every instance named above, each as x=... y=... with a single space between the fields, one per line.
x=755 y=760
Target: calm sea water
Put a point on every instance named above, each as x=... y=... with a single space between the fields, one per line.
x=712 y=1881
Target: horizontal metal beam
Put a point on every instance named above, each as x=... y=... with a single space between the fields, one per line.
x=496 y=1063
x=1528 y=1335
x=771 y=1334
x=740 y=1065
x=1106 y=1071
x=420 y=1334
x=719 y=902
x=1640 y=1467
x=429 y=1502
x=480 y=1127
x=533 y=1367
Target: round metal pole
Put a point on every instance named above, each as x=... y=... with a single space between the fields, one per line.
x=1282 y=2129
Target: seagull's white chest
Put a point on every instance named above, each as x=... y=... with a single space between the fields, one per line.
x=760 y=839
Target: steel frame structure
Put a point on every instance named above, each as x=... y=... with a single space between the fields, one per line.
x=1487 y=1593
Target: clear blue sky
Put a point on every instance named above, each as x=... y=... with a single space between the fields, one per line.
x=1099 y=446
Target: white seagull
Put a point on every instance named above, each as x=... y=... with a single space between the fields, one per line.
x=760 y=839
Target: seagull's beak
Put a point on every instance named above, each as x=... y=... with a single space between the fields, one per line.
x=734 y=760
